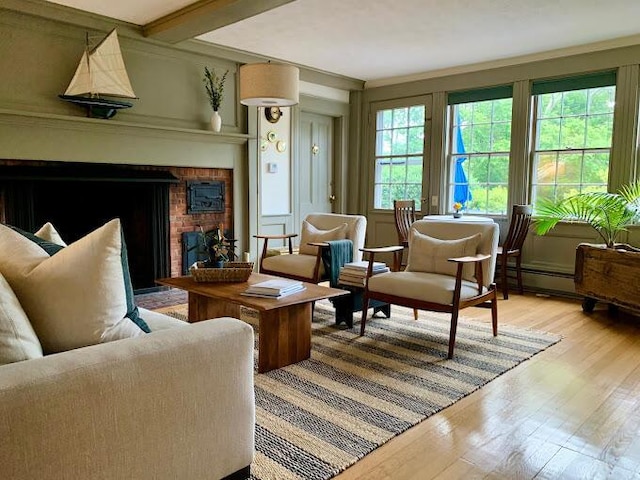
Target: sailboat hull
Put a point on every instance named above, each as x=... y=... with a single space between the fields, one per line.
x=97 y=107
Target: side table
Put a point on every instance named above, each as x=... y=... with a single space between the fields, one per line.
x=345 y=305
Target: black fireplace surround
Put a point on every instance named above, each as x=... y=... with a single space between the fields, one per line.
x=78 y=198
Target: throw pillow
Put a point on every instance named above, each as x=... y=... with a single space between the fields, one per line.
x=18 y=341
x=49 y=247
x=428 y=254
x=50 y=234
x=77 y=297
x=311 y=234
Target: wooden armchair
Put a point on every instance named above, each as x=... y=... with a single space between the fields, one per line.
x=317 y=228
x=451 y=267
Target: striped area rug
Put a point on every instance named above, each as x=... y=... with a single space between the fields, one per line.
x=318 y=417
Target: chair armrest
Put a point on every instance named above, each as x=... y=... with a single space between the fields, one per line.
x=277 y=237
x=319 y=244
x=470 y=259
x=395 y=249
x=391 y=249
x=461 y=261
x=266 y=238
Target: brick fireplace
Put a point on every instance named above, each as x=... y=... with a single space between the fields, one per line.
x=79 y=197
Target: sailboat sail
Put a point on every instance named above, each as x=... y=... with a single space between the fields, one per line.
x=102 y=72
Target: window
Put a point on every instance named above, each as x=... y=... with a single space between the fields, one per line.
x=479 y=144
x=573 y=130
x=399 y=155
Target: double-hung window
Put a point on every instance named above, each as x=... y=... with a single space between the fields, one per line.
x=573 y=125
x=399 y=155
x=479 y=142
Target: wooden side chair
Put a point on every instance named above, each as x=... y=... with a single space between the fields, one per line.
x=512 y=246
x=451 y=266
x=404 y=212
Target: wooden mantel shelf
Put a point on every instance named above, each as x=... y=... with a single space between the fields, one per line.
x=67 y=121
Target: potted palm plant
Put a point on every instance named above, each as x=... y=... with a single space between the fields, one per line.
x=214 y=86
x=607 y=271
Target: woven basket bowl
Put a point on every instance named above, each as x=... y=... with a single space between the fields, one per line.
x=230 y=272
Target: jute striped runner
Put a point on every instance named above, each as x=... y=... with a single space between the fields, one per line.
x=317 y=417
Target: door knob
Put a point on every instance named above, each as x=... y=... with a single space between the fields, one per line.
x=332 y=198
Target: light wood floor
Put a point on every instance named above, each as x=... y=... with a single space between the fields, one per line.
x=572 y=411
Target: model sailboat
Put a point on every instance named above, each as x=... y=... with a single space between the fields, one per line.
x=101 y=72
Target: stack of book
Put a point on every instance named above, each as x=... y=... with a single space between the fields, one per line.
x=275 y=288
x=355 y=273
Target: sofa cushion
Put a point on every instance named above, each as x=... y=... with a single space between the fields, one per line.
x=430 y=255
x=78 y=296
x=50 y=248
x=18 y=341
x=49 y=233
x=311 y=234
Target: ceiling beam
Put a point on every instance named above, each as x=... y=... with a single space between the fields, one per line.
x=205 y=16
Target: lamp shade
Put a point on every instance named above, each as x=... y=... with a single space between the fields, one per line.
x=269 y=84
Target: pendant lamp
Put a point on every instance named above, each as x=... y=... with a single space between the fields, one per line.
x=269 y=84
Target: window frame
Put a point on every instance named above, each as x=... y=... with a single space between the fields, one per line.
x=563 y=85
x=455 y=99
x=376 y=107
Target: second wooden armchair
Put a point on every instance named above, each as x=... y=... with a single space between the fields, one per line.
x=307 y=264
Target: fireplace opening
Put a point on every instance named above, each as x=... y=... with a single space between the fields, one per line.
x=78 y=198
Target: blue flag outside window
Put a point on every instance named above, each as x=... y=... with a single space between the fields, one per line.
x=461 y=192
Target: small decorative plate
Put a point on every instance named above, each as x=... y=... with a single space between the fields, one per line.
x=281 y=146
x=272 y=136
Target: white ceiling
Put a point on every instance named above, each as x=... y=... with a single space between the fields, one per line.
x=381 y=40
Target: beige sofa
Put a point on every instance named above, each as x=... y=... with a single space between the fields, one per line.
x=91 y=387
x=177 y=403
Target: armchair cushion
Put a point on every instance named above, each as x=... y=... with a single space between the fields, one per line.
x=453 y=230
x=356 y=230
x=310 y=234
x=425 y=287
x=429 y=255
x=300 y=265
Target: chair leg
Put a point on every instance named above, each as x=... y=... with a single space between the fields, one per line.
x=503 y=275
x=519 y=274
x=452 y=332
x=494 y=314
x=365 y=307
x=415 y=313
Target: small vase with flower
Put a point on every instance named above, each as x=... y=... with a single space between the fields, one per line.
x=214 y=86
x=457 y=210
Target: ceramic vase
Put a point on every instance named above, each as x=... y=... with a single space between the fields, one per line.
x=457 y=214
x=216 y=121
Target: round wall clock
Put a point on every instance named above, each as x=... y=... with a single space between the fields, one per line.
x=272 y=114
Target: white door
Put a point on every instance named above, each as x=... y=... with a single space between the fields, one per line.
x=315 y=164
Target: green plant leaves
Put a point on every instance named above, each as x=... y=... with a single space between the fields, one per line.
x=608 y=213
x=214 y=86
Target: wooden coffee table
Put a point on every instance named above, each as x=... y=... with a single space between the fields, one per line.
x=285 y=323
